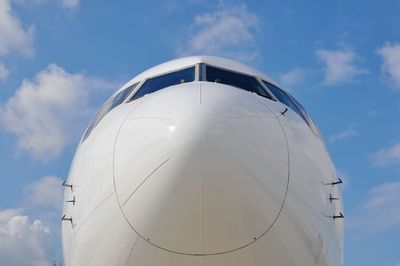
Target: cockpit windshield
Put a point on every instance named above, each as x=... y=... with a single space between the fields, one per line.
x=284 y=98
x=113 y=102
x=235 y=79
x=213 y=74
x=157 y=83
x=205 y=73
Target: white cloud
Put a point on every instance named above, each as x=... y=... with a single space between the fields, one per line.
x=41 y=112
x=340 y=66
x=13 y=36
x=6 y=214
x=27 y=242
x=293 y=77
x=48 y=113
x=45 y=193
x=380 y=211
x=226 y=31
x=70 y=4
x=345 y=134
x=3 y=72
x=383 y=206
x=23 y=242
x=387 y=156
x=390 y=54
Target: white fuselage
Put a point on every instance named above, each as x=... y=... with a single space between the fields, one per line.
x=202 y=173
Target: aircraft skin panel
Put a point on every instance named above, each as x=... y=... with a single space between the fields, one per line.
x=105 y=237
x=202 y=173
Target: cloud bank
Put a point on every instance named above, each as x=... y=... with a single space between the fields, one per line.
x=48 y=113
x=42 y=112
x=23 y=242
x=27 y=241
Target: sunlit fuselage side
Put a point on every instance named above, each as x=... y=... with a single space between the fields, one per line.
x=202 y=174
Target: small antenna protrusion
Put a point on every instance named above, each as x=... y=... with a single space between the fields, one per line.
x=333 y=183
x=72 y=201
x=284 y=111
x=67 y=219
x=340 y=216
x=332 y=198
x=336 y=216
x=65 y=184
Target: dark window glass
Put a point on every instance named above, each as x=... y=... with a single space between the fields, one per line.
x=240 y=81
x=108 y=106
x=301 y=108
x=157 y=83
x=308 y=117
x=120 y=97
x=283 y=98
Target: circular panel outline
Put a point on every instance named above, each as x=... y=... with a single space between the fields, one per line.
x=205 y=254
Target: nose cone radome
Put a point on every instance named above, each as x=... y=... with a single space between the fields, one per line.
x=203 y=173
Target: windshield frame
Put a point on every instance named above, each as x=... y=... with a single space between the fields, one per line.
x=196 y=77
x=203 y=77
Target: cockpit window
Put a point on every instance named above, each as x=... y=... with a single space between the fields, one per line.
x=284 y=98
x=238 y=80
x=111 y=103
x=310 y=121
x=157 y=83
x=301 y=108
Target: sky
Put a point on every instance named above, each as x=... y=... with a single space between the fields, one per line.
x=61 y=59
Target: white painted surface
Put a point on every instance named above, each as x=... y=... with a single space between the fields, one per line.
x=197 y=174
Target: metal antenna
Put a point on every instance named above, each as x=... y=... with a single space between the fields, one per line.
x=336 y=216
x=333 y=183
x=340 y=216
x=72 y=201
x=332 y=198
x=67 y=219
x=64 y=184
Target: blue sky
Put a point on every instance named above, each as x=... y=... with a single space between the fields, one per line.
x=60 y=59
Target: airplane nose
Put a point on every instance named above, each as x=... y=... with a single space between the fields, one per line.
x=206 y=173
